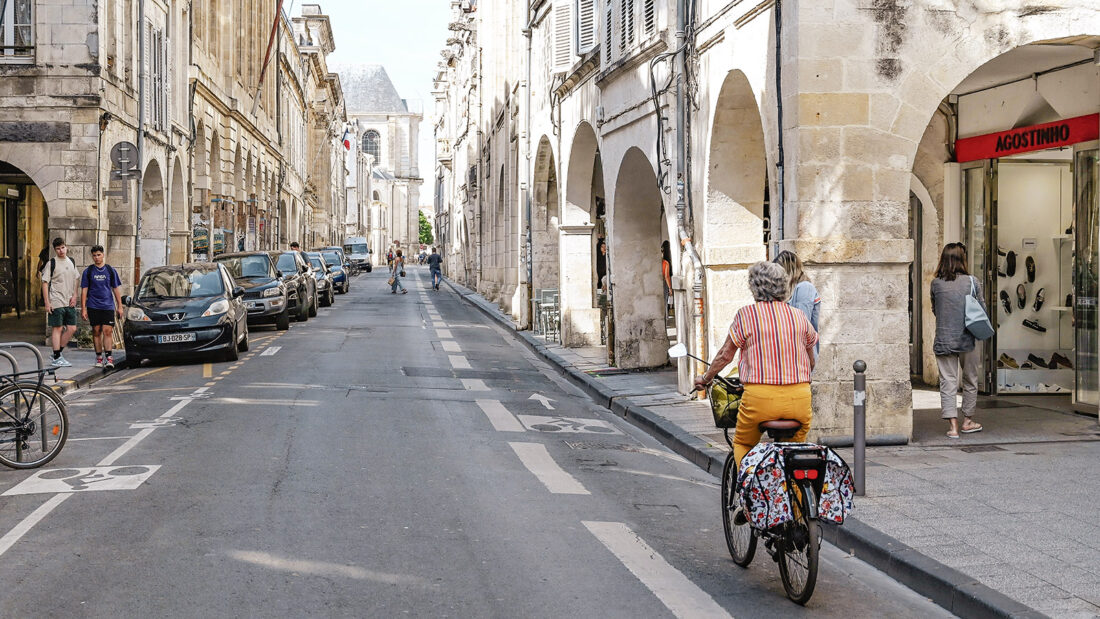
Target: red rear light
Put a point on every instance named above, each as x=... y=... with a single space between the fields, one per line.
x=799 y=474
x=805 y=473
x=811 y=474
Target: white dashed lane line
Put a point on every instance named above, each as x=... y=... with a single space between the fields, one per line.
x=474 y=384
x=537 y=459
x=459 y=362
x=502 y=420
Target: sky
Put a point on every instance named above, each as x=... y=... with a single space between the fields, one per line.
x=404 y=36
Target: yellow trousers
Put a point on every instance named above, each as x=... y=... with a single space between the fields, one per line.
x=762 y=403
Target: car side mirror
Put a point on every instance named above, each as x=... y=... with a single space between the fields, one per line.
x=127 y=300
x=238 y=292
x=279 y=274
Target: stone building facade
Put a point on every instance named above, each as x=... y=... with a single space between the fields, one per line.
x=388 y=128
x=222 y=154
x=846 y=152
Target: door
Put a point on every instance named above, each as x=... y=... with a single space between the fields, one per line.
x=916 y=289
x=1086 y=170
x=979 y=210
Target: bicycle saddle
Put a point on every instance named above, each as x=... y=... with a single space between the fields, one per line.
x=782 y=425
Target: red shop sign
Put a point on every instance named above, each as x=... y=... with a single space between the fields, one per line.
x=1027 y=139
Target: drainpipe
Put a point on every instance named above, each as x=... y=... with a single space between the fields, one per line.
x=140 y=139
x=682 y=111
x=779 y=223
x=529 y=184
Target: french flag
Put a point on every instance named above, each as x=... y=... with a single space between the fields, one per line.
x=347 y=139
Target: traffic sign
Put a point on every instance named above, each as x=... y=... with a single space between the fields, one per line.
x=124 y=156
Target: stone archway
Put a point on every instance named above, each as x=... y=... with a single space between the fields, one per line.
x=153 y=232
x=178 y=252
x=544 y=222
x=24 y=232
x=732 y=226
x=638 y=299
x=581 y=230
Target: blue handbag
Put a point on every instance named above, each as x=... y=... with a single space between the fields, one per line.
x=976 y=320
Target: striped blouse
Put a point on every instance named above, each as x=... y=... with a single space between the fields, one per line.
x=773 y=338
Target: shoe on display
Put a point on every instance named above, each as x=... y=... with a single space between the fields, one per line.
x=1004 y=301
x=1021 y=296
x=1035 y=359
x=1039 y=298
x=1010 y=263
x=1008 y=361
x=1030 y=266
x=1026 y=366
x=1033 y=324
x=1069 y=230
x=1058 y=359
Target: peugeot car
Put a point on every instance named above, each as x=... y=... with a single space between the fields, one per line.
x=186 y=310
x=297 y=276
x=265 y=296
x=326 y=288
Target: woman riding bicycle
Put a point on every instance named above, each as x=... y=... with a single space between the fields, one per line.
x=777 y=356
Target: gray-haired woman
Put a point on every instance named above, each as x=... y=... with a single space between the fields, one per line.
x=777 y=356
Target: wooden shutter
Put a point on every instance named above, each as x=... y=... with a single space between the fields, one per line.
x=649 y=17
x=586 y=26
x=562 y=32
x=609 y=32
x=146 y=34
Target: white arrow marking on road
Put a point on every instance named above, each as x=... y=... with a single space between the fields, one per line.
x=271 y=350
x=541 y=398
x=681 y=596
x=537 y=459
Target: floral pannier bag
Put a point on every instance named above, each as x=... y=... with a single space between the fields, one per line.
x=764 y=492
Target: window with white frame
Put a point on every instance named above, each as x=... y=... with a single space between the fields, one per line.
x=627 y=25
x=372 y=145
x=157 y=85
x=17 y=31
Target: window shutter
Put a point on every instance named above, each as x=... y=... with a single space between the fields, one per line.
x=609 y=32
x=146 y=66
x=649 y=17
x=167 y=80
x=562 y=45
x=586 y=26
x=626 y=24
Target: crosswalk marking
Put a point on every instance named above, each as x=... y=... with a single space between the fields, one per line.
x=474 y=384
x=450 y=346
x=537 y=459
x=271 y=350
x=443 y=334
x=502 y=420
x=459 y=362
x=681 y=596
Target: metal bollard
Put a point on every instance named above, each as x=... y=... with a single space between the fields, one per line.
x=859 y=419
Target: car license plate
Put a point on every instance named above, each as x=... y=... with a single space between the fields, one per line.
x=173 y=338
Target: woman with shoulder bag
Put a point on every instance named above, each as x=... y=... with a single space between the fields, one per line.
x=955 y=347
x=397 y=271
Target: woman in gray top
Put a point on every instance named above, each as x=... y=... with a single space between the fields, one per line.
x=954 y=347
x=803 y=294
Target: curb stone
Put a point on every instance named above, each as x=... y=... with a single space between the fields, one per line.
x=90 y=376
x=945 y=586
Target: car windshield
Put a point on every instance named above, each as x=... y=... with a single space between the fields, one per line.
x=287 y=264
x=316 y=263
x=255 y=265
x=181 y=284
x=356 y=248
x=331 y=257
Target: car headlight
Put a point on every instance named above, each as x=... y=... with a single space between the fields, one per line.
x=220 y=306
x=272 y=292
x=136 y=314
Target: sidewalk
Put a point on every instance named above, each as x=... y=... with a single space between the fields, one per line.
x=997 y=524
x=30 y=328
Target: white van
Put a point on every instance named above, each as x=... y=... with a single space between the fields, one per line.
x=357 y=253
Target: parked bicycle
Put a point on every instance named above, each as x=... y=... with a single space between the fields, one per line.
x=34 y=423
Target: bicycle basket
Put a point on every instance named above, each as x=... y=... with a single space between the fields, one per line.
x=725 y=400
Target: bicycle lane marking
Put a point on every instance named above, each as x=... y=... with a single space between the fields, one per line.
x=682 y=597
x=15 y=534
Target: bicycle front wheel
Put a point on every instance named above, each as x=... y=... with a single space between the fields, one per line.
x=740 y=539
x=798 y=557
x=33 y=425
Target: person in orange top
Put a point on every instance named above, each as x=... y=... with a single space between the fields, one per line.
x=777 y=356
x=666 y=272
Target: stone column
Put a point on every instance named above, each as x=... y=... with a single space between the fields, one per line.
x=580 y=322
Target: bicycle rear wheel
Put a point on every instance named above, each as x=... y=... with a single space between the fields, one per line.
x=33 y=425
x=798 y=557
x=740 y=539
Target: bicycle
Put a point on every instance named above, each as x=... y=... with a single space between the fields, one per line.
x=34 y=423
x=794 y=544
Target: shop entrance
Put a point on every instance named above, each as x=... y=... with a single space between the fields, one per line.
x=1032 y=222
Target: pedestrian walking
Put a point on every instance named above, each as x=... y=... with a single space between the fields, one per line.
x=601 y=265
x=777 y=357
x=666 y=274
x=294 y=246
x=955 y=348
x=59 y=290
x=435 y=267
x=804 y=295
x=397 y=271
x=101 y=301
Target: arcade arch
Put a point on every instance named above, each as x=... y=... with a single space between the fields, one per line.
x=583 y=229
x=153 y=232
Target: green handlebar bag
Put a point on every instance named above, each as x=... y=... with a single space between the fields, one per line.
x=725 y=400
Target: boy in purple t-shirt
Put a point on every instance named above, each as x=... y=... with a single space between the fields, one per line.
x=101 y=298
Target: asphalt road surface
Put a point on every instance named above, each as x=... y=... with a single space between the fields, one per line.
x=398 y=455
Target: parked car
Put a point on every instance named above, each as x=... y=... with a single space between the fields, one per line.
x=265 y=296
x=326 y=288
x=335 y=259
x=297 y=276
x=357 y=253
x=186 y=310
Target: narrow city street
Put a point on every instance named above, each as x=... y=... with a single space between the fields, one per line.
x=396 y=455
